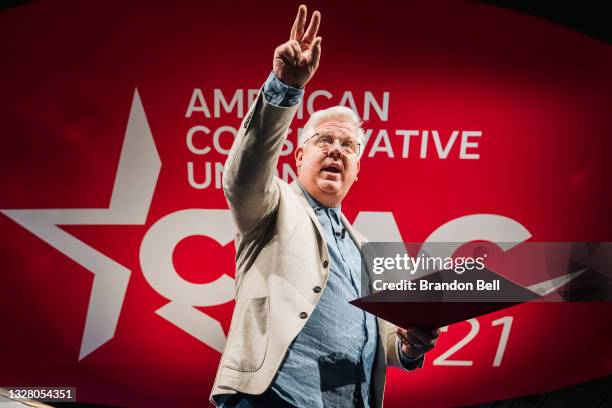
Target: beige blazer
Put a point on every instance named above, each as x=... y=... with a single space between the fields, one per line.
x=281 y=256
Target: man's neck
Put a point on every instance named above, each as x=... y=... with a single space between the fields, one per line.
x=327 y=200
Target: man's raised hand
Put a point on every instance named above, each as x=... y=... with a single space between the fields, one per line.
x=296 y=61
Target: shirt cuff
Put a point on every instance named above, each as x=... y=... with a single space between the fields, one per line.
x=279 y=94
x=407 y=362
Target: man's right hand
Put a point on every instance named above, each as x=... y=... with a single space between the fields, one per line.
x=296 y=61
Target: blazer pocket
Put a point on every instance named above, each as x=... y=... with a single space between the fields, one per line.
x=247 y=343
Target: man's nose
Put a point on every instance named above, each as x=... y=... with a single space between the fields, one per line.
x=335 y=150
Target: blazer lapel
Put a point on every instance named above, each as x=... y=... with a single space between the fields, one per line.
x=298 y=191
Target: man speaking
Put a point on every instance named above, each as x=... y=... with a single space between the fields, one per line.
x=294 y=339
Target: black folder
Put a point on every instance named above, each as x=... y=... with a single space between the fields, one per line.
x=428 y=310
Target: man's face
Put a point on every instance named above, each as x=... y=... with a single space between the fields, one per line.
x=328 y=173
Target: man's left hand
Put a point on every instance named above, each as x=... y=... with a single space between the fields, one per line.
x=416 y=342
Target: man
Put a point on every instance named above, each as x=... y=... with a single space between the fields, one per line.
x=294 y=339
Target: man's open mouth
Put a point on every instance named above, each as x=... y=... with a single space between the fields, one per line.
x=331 y=169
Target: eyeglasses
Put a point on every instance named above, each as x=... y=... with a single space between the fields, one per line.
x=324 y=141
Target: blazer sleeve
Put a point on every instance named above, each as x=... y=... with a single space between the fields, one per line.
x=249 y=182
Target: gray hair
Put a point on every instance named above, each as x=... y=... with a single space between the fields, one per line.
x=335 y=112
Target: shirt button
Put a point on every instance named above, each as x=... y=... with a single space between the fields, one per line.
x=317 y=289
x=325 y=264
x=303 y=315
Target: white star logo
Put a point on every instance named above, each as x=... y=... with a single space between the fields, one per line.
x=139 y=167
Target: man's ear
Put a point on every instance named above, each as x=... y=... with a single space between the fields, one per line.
x=299 y=152
x=358 y=167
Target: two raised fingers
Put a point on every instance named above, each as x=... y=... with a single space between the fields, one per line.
x=297 y=31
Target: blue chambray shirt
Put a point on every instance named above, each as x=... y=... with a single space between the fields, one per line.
x=329 y=364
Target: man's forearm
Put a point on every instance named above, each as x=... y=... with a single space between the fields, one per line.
x=248 y=182
x=248 y=179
